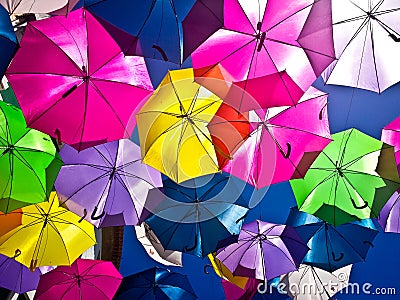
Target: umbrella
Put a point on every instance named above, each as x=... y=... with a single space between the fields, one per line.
x=284 y=141
x=233 y=292
x=391 y=136
x=194 y=216
x=156 y=283
x=154 y=248
x=107 y=184
x=15 y=276
x=73 y=81
x=366 y=40
x=389 y=218
x=9 y=221
x=173 y=130
x=351 y=179
x=49 y=235
x=29 y=162
x=332 y=247
x=84 y=279
x=20 y=7
x=310 y=283
x=66 y=9
x=280 y=45
x=264 y=251
x=8 y=41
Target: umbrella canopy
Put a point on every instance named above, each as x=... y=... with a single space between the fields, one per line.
x=264 y=251
x=280 y=45
x=391 y=136
x=8 y=40
x=351 y=179
x=15 y=276
x=20 y=7
x=154 y=248
x=29 y=162
x=332 y=247
x=107 y=184
x=366 y=36
x=389 y=218
x=49 y=235
x=173 y=131
x=9 y=221
x=194 y=216
x=234 y=292
x=84 y=279
x=63 y=11
x=74 y=83
x=156 y=283
x=284 y=141
x=310 y=283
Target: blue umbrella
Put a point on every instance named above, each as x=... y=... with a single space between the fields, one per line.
x=193 y=216
x=156 y=283
x=332 y=248
x=8 y=40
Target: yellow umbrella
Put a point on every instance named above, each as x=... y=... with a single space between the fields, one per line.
x=49 y=236
x=223 y=272
x=173 y=130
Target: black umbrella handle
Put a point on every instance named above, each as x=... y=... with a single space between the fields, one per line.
x=159 y=49
x=17 y=253
x=94 y=217
x=187 y=249
x=84 y=215
x=365 y=205
x=337 y=258
x=205 y=269
x=289 y=150
x=368 y=243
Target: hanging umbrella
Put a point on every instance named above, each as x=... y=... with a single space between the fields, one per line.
x=84 y=279
x=194 y=216
x=351 y=179
x=264 y=251
x=284 y=141
x=233 y=292
x=332 y=247
x=280 y=45
x=15 y=276
x=20 y=7
x=49 y=235
x=156 y=283
x=389 y=218
x=391 y=136
x=9 y=221
x=8 y=41
x=154 y=248
x=29 y=162
x=366 y=36
x=173 y=130
x=63 y=11
x=106 y=184
x=74 y=83
x=310 y=283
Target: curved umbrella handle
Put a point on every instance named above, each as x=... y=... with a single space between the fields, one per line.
x=261 y=43
x=394 y=37
x=58 y=134
x=205 y=269
x=159 y=49
x=337 y=258
x=320 y=112
x=84 y=215
x=369 y=243
x=262 y=287
x=365 y=205
x=94 y=217
x=17 y=253
x=241 y=218
x=192 y=248
x=289 y=149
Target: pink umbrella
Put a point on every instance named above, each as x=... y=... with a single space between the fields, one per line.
x=73 y=82
x=84 y=279
x=284 y=141
x=281 y=46
x=391 y=136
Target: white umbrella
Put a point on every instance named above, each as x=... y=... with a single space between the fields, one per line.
x=20 y=7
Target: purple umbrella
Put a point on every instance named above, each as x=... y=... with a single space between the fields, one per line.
x=106 y=184
x=389 y=217
x=264 y=251
x=15 y=276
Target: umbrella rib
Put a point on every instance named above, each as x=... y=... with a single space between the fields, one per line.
x=205 y=194
x=373 y=55
x=175 y=166
x=104 y=157
x=62 y=221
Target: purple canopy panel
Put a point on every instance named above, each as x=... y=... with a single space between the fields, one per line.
x=389 y=217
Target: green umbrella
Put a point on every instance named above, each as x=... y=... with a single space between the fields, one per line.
x=29 y=162
x=351 y=179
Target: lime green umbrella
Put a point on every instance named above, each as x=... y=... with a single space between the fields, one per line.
x=29 y=162
x=351 y=179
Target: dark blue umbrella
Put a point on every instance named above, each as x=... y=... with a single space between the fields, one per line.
x=8 y=40
x=332 y=248
x=156 y=283
x=193 y=216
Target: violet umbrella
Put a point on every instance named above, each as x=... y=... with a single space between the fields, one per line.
x=391 y=136
x=264 y=251
x=73 y=82
x=389 y=217
x=84 y=279
x=280 y=45
x=284 y=141
x=106 y=184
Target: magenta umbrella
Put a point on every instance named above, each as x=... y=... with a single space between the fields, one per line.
x=284 y=141
x=73 y=82
x=391 y=136
x=84 y=279
x=233 y=292
x=279 y=45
